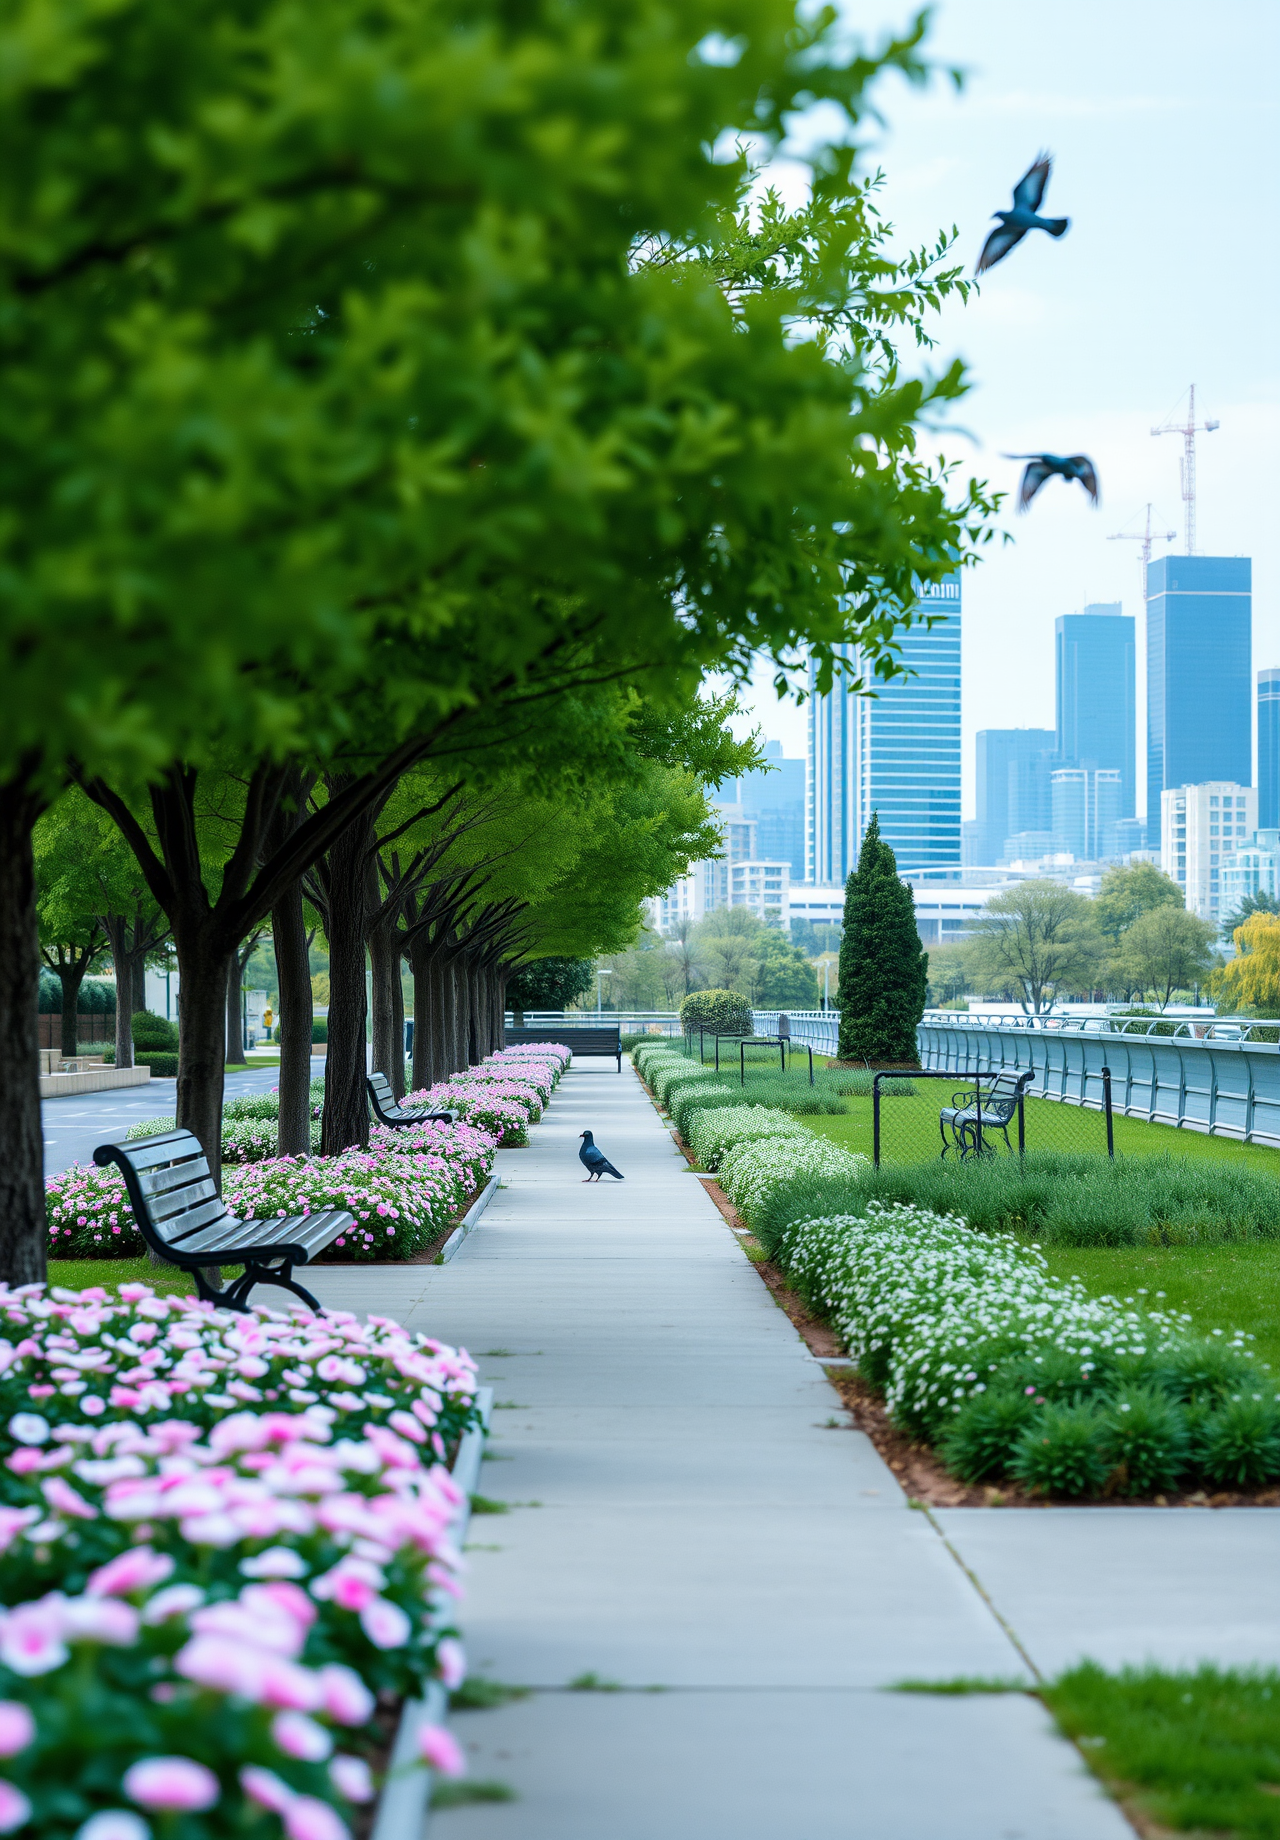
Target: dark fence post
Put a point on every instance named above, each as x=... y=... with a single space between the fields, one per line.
x=875 y=1121
x=1022 y=1122
x=977 y=1123
x=1106 y=1106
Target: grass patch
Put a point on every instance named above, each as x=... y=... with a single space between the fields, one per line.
x=477 y=1694
x=963 y=1683
x=591 y=1682
x=1223 y=1287
x=465 y=1794
x=166 y=1280
x=1196 y=1751
x=485 y=1504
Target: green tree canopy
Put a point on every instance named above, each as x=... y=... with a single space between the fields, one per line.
x=1035 y=940
x=1164 y=950
x=1130 y=890
x=883 y=966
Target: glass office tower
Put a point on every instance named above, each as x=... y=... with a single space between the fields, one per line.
x=1269 y=750
x=1097 y=702
x=1199 y=665
x=1013 y=787
x=896 y=753
x=774 y=795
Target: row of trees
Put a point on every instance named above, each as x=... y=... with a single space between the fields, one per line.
x=397 y=428
x=730 y=949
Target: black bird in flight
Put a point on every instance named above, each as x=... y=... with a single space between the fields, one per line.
x=1014 y=224
x=594 y=1161
x=1045 y=466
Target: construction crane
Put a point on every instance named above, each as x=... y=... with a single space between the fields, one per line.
x=1146 y=537
x=1188 y=430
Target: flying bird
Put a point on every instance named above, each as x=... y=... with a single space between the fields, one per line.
x=1045 y=466
x=1014 y=224
x=594 y=1161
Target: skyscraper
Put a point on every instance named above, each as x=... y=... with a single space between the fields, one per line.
x=1199 y=723
x=1013 y=786
x=1269 y=750
x=1096 y=696
x=896 y=753
x=776 y=799
x=1086 y=807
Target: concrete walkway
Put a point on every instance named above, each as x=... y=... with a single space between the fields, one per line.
x=695 y=1530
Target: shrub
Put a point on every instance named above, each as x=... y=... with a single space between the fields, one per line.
x=668 y=1076
x=160 y=1066
x=979 y=1443
x=319 y=1029
x=152 y=1031
x=156 y=1525
x=700 y=1096
x=753 y=1170
x=714 y=1131
x=720 y=1012
x=1238 y=1446
x=1061 y=1452
x=1143 y=1435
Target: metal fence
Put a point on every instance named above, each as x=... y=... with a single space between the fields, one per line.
x=1201 y=1080
x=816 y=1028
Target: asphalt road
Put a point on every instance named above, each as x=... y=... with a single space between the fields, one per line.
x=76 y=1125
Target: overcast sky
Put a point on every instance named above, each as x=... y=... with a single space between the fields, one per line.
x=1161 y=116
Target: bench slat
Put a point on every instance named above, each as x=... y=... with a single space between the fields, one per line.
x=176 y=1202
x=232 y=1235
x=148 y=1152
x=175 y=1230
x=155 y=1183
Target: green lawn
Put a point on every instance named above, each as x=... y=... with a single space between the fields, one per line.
x=1223 y=1287
x=81 y=1274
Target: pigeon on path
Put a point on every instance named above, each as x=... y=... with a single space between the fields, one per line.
x=594 y=1160
x=1045 y=466
x=1014 y=224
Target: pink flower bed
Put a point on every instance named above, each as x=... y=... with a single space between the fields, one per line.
x=223 y=1538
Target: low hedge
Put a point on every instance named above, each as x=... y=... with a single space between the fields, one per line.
x=755 y=1170
x=1015 y=1374
x=721 y=1012
x=668 y=1077
x=719 y=1128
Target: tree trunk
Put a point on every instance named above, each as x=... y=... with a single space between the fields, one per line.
x=137 y=972
x=397 y=1022
x=235 y=1021
x=476 y=1017
x=116 y=927
x=293 y=979
x=420 y=966
x=23 y=1229
x=460 y=1015
x=384 y=961
x=202 y=1036
x=500 y=1012
x=346 y=1102
x=71 y=979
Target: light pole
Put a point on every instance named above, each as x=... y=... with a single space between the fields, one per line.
x=826 y=984
x=600 y=973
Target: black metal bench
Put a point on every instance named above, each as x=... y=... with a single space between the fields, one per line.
x=578 y=1038
x=387 y=1109
x=987 y=1105
x=184 y=1220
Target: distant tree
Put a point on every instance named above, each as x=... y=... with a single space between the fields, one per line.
x=786 y=979
x=685 y=953
x=1165 y=949
x=1260 y=903
x=1035 y=939
x=1128 y=891
x=883 y=968
x=950 y=972
x=548 y=983
x=1253 y=976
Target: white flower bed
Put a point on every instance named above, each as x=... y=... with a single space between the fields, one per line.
x=752 y=1171
x=931 y=1308
x=712 y=1133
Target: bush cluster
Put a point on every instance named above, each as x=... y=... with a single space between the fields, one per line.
x=718 y=1129
x=1016 y=1375
x=753 y=1171
x=720 y=1012
x=225 y=1540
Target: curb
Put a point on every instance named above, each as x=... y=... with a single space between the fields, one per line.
x=404 y=1804
x=469 y=1220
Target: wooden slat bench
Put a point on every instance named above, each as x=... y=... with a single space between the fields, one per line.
x=577 y=1037
x=183 y=1219
x=387 y=1109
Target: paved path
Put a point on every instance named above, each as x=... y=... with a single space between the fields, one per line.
x=691 y=1513
x=76 y=1125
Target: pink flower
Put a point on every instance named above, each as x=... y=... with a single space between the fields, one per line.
x=276 y=1562
x=15 y=1809
x=31 y=1639
x=385 y=1624
x=300 y=1737
x=344 y=1695
x=101 y=1619
x=177 y=1600
x=307 y=1818
x=440 y=1749
x=350 y=1777
x=136 y=1570
x=171 y=1782
x=17 y=1727
x=451 y=1663
x=266 y=1788
x=114 y=1824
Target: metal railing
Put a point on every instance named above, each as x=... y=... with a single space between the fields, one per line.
x=1191 y=1028
x=1195 y=1077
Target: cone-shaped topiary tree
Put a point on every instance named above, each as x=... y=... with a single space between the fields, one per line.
x=883 y=966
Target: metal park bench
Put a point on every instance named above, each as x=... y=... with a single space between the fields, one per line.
x=987 y=1105
x=387 y=1109
x=184 y=1220
x=578 y=1038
